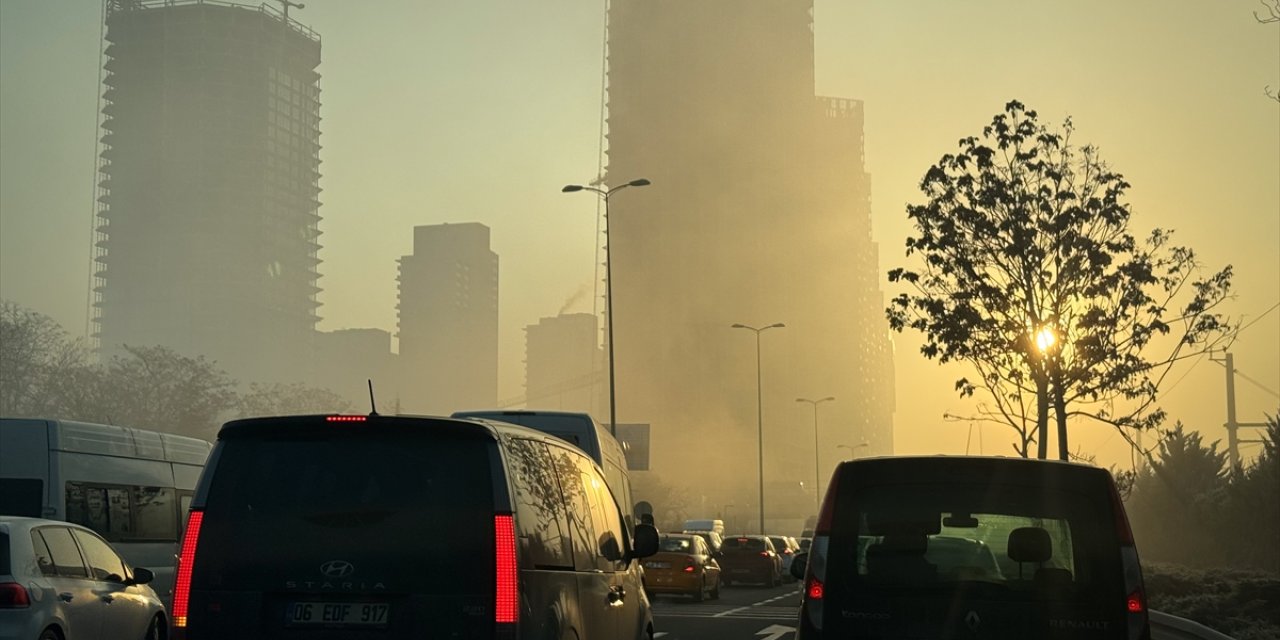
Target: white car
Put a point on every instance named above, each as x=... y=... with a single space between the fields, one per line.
x=61 y=581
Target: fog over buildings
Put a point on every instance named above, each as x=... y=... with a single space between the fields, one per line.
x=227 y=206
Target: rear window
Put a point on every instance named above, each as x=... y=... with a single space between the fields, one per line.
x=4 y=553
x=409 y=508
x=680 y=545
x=22 y=497
x=921 y=535
x=743 y=544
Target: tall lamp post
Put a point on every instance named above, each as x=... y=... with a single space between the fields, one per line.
x=853 y=451
x=605 y=194
x=760 y=409
x=816 y=487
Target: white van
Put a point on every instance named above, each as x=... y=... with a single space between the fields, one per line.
x=705 y=525
x=584 y=432
x=131 y=486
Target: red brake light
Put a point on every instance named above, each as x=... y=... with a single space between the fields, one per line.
x=690 y=564
x=814 y=591
x=14 y=596
x=787 y=552
x=506 y=607
x=346 y=418
x=1136 y=602
x=182 y=578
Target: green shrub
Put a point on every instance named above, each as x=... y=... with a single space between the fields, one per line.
x=1241 y=603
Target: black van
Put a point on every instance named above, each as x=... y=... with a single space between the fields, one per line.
x=394 y=527
x=970 y=547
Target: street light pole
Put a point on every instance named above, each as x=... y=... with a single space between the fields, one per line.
x=816 y=487
x=760 y=410
x=605 y=194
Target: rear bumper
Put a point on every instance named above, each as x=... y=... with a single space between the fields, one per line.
x=657 y=581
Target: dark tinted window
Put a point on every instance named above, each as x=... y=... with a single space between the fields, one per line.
x=779 y=543
x=21 y=497
x=4 y=552
x=925 y=534
x=124 y=512
x=540 y=510
x=680 y=545
x=581 y=527
x=104 y=564
x=413 y=509
x=744 y=544
x=66 y=555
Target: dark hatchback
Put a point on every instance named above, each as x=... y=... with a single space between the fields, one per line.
x=971 y=548
x=750 y=559
x=364 y=527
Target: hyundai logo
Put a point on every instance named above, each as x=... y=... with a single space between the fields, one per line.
x=973 y=621
x=337 y=569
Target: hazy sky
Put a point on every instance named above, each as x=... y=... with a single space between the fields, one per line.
x=481 y=110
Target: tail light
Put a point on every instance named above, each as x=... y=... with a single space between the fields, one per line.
x=787 y=552
x=814 y=589
x=182 y=577
x=14 y=596
x=690 y=565
x=1135 y=605
x=764 y=554
x=506 y=609
x=346 y=418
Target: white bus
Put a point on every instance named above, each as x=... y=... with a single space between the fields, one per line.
x=583 y=431
x=130 y=485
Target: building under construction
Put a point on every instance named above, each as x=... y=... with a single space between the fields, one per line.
x=759 y=213
x=208 y=216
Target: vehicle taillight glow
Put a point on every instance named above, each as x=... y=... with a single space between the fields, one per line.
x=690 y=564
x=346 y=418
x=1136 y=602
x=186 y=560
x=506 y=608
x=14 y=596
x=814 y=590
x=764 y=554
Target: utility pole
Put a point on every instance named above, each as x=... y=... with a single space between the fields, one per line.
x=1233 y=427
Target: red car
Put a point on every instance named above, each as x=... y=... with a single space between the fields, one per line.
x=750 y=559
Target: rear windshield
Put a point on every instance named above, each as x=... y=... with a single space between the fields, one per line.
x=411 y=508
x=743 y=544
x=919 y=535
x=22 y=497
x=683 y=545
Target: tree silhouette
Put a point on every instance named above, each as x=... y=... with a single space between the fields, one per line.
x=1031 y=276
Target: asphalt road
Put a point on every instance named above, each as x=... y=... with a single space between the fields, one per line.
x=741 y=613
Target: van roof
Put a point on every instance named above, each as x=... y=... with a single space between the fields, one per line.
x=478 y=426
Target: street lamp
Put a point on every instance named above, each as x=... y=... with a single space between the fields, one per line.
x=816 y=487
x=605 y=194
x=853 y=450
x=760 y=410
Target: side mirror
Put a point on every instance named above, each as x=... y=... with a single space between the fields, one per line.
x=645 y=541
x=142 y=576
x=798 y=565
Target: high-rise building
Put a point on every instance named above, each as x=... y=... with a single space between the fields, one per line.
x=208 y=217
x=563 y=365
x=759 y=213
x=448 y=315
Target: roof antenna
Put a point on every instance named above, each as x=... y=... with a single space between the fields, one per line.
x=373 y=407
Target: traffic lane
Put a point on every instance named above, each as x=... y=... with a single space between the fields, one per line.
x=741 y=613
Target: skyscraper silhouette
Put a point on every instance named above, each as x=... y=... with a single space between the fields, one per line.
x=759 y=213
x=208 y=217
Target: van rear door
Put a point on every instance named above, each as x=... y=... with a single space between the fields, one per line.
x=362 y=530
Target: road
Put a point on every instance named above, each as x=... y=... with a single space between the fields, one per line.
x=741 y=613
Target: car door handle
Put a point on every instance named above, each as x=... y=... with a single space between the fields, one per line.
x=65 y=596
x=616 y=596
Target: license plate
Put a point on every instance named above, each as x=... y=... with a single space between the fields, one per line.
x=344 y=613
x=657 y=565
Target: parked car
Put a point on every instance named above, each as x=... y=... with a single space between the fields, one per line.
x=315 y=527
x=993 y=547
x=804 y=543
x=787 y=549
x=750 y=559
x=683 y=565
x=62 y=581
